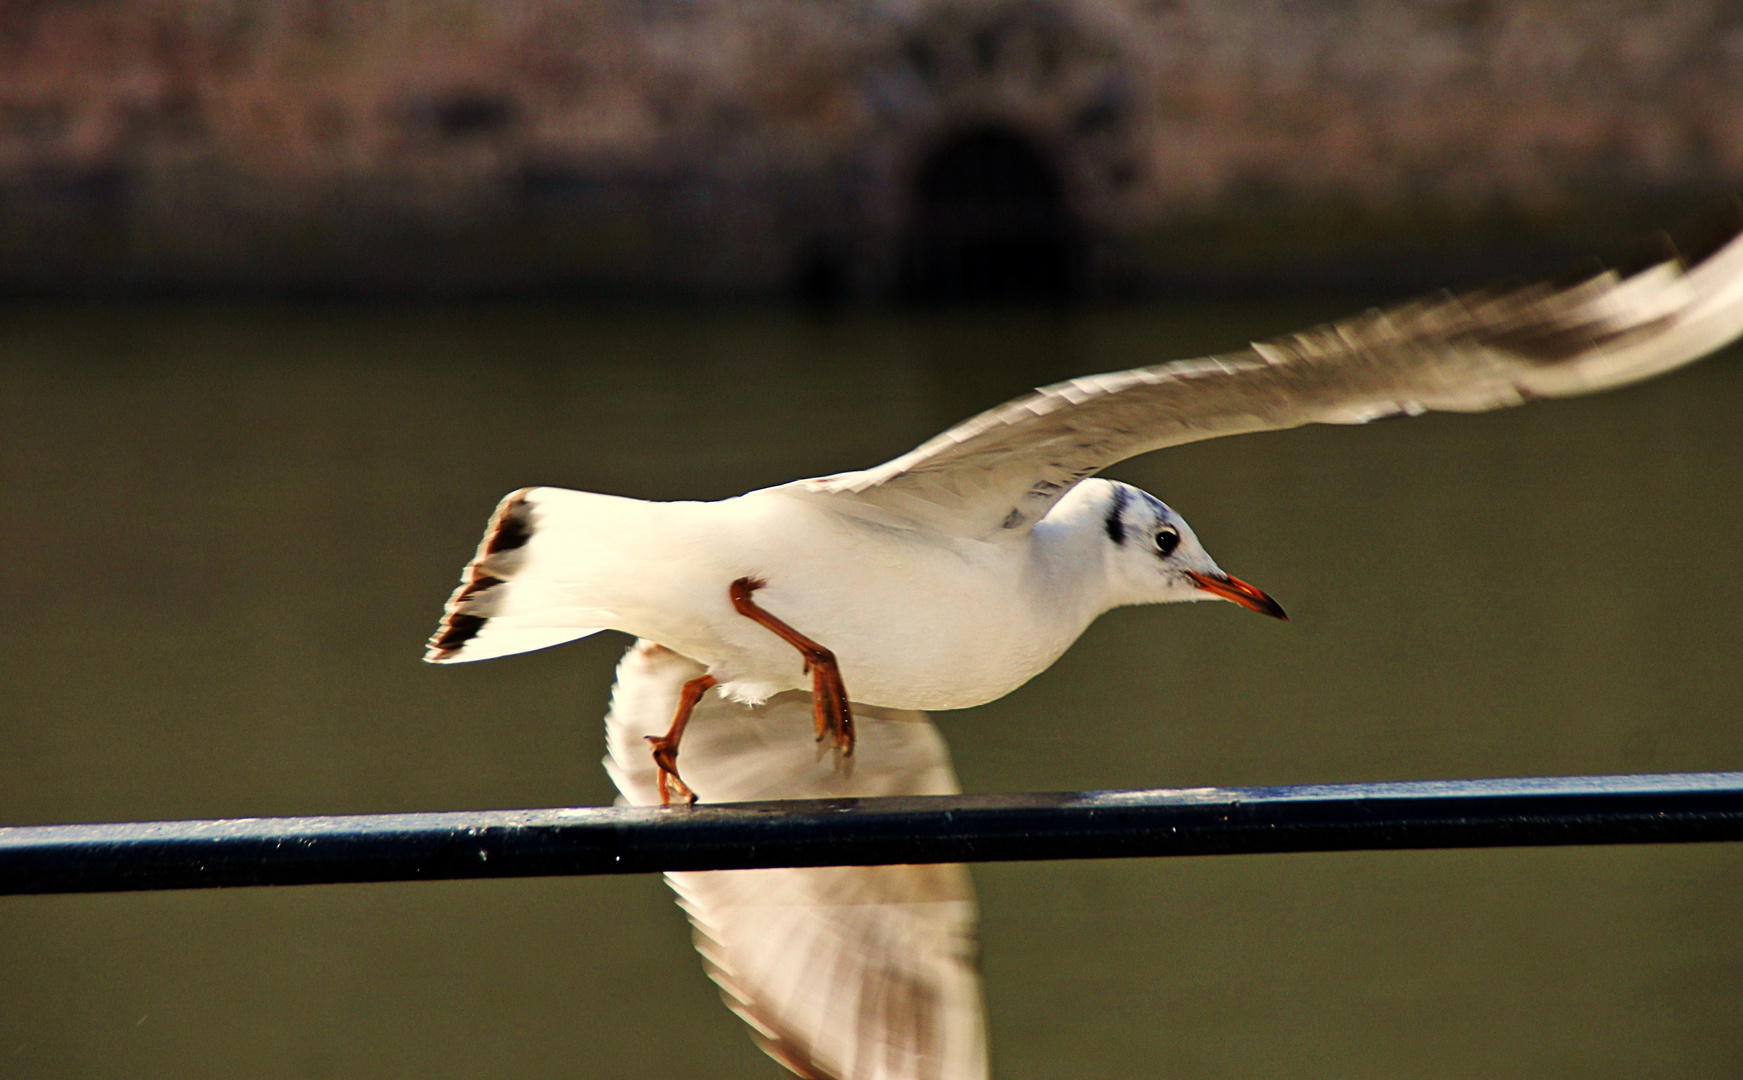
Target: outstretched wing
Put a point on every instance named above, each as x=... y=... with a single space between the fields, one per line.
x=844 y=972
x=1000 y=472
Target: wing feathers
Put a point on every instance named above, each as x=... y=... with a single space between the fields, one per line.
x=1004 y=469
x=843 y=972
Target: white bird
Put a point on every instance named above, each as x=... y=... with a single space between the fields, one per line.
x=955 y=573
x=844 y=972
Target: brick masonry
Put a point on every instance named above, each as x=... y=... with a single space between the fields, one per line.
x=746 y=148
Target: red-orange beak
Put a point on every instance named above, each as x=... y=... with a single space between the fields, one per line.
x=1236 y=591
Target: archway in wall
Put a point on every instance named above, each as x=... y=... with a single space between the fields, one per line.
x=990 y=224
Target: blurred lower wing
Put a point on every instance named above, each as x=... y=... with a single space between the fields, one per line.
x=842 y=972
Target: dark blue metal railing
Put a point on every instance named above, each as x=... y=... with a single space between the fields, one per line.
x=1678 y=808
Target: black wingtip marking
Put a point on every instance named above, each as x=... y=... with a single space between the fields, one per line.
x=1551 y=340
x=1528 y=322
x=1115 y=523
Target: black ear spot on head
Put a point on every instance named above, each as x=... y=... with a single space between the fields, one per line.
x=1115 y=523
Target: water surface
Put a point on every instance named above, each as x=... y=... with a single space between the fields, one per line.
x=227 y=532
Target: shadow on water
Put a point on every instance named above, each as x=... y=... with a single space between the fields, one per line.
x=229 y=530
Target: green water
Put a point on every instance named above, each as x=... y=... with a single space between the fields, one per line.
x=227 y=532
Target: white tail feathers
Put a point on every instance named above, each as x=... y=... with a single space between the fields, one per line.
x=504 y=603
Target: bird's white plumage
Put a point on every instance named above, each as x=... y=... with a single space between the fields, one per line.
x=850 y=972
x=951 y=575
x=915 y=622
x=504 y=638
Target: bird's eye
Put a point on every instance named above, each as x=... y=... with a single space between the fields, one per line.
x=1166 y=541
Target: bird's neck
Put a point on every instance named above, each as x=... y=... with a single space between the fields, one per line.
x=1068 y=562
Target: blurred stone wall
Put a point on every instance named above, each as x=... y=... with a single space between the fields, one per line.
x=756 y=147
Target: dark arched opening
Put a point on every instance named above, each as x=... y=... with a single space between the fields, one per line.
x=990 y=224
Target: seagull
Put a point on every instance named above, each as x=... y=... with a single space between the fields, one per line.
x=953 y=574
x=842 y=972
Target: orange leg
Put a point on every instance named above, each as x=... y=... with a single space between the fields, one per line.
x=666 y=746
x=828 y=692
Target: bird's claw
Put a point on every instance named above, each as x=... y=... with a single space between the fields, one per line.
x=666 y=758
x=831 y=709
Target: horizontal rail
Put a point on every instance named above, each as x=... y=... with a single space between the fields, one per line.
x=1678 y=808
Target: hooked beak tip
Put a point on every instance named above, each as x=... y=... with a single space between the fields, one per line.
x=1236 y=591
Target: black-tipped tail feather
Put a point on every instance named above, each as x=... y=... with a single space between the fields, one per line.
x=478 y=623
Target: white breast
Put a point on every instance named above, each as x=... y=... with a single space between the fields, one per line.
x=915 y=623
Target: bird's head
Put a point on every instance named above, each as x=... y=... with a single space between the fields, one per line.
x=1154 y=557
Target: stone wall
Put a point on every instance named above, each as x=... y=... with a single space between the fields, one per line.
x=736 y=147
